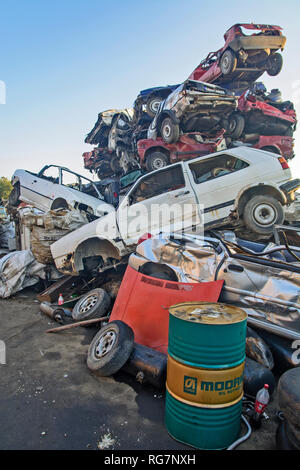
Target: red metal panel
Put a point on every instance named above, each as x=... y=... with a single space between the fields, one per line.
x=143 y=303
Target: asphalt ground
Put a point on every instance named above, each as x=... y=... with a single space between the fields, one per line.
x=49 y=400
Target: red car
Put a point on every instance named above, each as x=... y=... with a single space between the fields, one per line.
x=102 y=161
x=263 y=113
x=155 y=154
x=244 y=57
x=281 y=145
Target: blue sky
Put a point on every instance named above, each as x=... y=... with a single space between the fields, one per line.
x=65 y=61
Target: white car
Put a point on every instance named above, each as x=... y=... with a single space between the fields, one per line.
x=240 y=186
x=57 y=187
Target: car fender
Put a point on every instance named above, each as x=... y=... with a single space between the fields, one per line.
x=167 y=113
x=101 y=230
x=261 y=187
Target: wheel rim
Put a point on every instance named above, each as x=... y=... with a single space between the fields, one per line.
x=105 y=343
x=265 y=214
x=225 y=62
x=167 y=130
x=154 y=105
x=232 y=125
x=88 y=303
x=157 y=163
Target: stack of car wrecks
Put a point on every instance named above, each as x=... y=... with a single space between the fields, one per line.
x=193 y=187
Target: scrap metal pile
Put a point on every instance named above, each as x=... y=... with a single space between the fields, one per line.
x=195 y=202
x=220 y=104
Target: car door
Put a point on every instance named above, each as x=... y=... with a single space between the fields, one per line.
x=40 y=189
x=217 y=181
x=160 y=201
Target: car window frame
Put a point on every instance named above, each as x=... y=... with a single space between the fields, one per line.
x=140 y=181
x=205 y=159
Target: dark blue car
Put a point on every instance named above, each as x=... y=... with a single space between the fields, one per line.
x=151 y=98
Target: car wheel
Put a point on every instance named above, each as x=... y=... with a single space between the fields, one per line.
x=59 y=203
x=284 y=440
x=13 y=198
x=228 y=62
x=289 y=399
x=169 y=131
x=274 y=64
x=156 y=160
x=152 y=105
x=261 y=213
x=236 y=124
x=110 y=348
x=92 y=305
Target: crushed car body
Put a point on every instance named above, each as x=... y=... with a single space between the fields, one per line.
x=264 y=278
x=56 y=187
x=187 y=195
x=244 y=57
x=155 y=154
x=193 y=106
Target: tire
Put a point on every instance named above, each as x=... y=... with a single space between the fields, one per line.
x=284 y=440
x=158 y=271
x=110 y=348
x=289 y=399
x=169 y=131
x=92 y=305
x=228 y=62
x=261 y=213
x=156 y=160
x=13 y=198
x=236 y=125
x=274 y=64
x=152 y=105
x=255 y=376
x=59 y=204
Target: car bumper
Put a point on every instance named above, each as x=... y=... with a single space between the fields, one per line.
x=258 y=42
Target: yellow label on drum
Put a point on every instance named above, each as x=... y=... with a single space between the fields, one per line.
x=204 y=386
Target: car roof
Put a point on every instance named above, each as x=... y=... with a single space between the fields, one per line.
x=245 y=153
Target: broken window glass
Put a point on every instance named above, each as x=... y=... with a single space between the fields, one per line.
x=158 y=183
x=221 y=165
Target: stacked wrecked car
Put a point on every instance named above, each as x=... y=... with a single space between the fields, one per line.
x=174 y=114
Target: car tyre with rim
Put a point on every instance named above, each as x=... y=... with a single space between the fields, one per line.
x=156 y=160
x=92 y=305
x=169 y=131
x=261 y=213
x=228 y=62
x=110 y=348
x=152 y=105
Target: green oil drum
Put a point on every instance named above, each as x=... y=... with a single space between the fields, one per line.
x=205 y=373
x=202 y=428
x=209 y=335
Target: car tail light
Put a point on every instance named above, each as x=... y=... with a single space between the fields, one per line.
x=144 y=237
x=284 y=164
